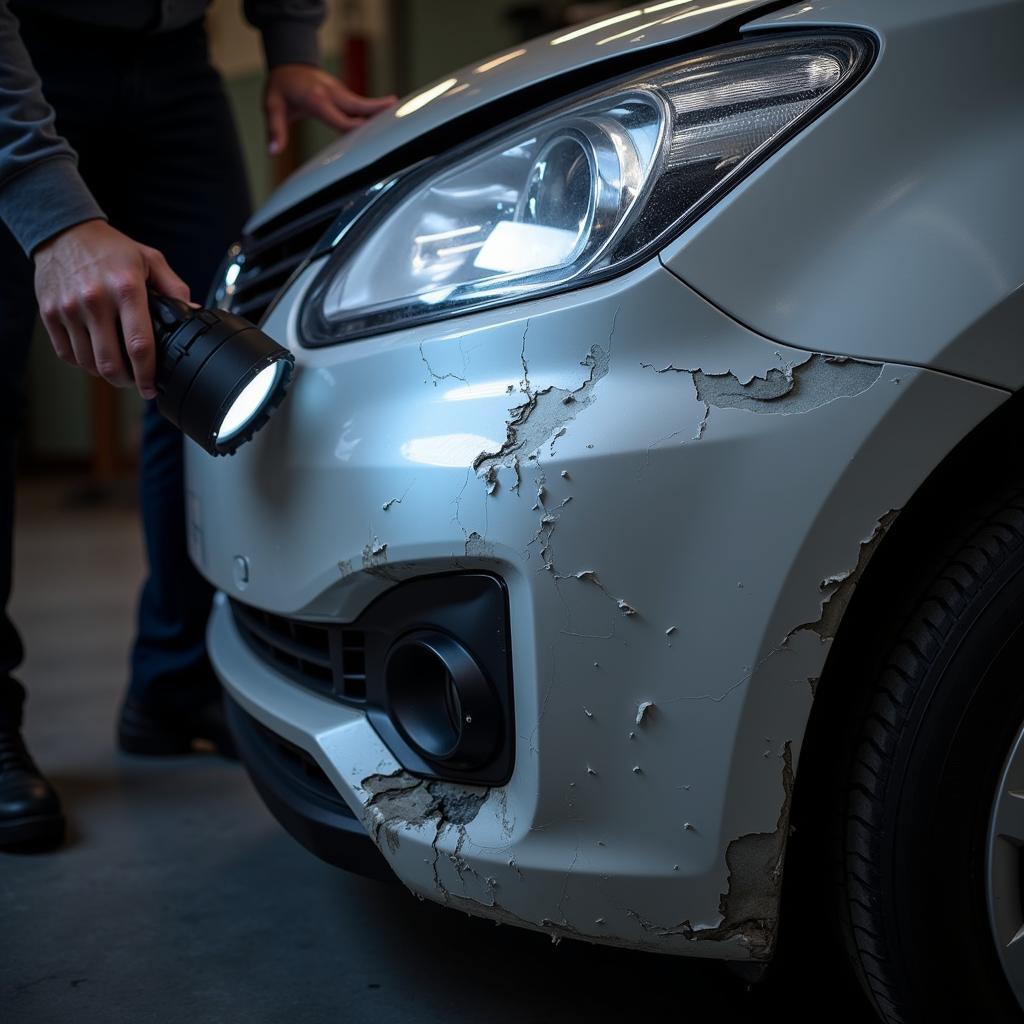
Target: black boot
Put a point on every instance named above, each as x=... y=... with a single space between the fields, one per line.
x=141 y=731
x=30 y=814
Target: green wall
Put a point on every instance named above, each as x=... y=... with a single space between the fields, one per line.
x=443 y=35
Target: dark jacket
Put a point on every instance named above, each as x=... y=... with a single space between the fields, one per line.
x=41 y=192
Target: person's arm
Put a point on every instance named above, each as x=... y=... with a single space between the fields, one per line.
x=296 y=85
x=90 y=279
x=41 y=192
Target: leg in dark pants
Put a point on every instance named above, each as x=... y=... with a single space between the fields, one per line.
x=30 y=812
x=17 y=314
x=149 y=120
x=157 y=146
x=188 y=198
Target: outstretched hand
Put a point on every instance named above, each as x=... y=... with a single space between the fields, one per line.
x=91 y=285
x=301 y=90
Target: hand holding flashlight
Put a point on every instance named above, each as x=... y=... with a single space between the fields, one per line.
x=115 y=308
x=218 y=376
x=91 y=283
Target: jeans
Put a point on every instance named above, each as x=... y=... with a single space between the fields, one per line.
x=157 y=146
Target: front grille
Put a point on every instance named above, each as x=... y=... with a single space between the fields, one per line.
x=326 y=658
x=273 y=251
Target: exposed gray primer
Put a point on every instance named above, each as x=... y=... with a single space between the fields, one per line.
x=401 y=798
x=477 y=547
x=839 y=587
x=749 y=906
x=543 y=417
x=786 y=391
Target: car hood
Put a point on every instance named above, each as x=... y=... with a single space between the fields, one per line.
x=632 y=30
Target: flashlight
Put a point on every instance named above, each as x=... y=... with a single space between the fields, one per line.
x=218 y=376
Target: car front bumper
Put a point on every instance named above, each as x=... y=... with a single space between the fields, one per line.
x=678 y=507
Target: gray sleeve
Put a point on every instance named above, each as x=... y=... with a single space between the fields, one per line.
x=41 y=191
x=288 y=28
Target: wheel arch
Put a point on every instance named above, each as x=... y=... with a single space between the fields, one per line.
x=891 y=582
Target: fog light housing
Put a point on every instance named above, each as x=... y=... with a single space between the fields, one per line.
x=441 y=701
x=218 y=376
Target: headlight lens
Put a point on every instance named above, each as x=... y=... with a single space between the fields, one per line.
x=574 y=194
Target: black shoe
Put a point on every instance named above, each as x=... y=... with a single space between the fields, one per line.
x=140 y=731
x=30 y=814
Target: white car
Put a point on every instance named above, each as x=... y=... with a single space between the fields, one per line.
x=648 y=507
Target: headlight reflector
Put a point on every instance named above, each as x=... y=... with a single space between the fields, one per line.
x=573 y=194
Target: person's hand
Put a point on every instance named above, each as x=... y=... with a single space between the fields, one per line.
x=90 y=280
x=301 y=90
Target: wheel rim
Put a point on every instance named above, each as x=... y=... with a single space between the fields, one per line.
x=1004 y=868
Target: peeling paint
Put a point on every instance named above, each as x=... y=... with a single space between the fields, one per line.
x=395 y=501
x=375 y=557
x=375 y=561
x=792 y=390
x=402 y=799
x=749 y=906
x=642 y=710
x=839 y=587
x=542 y=418
x=477 y=547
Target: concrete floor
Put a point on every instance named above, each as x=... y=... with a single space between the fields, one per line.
x=178 y=899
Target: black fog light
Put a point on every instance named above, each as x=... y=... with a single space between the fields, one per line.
x=218 y=376
x=441 y=701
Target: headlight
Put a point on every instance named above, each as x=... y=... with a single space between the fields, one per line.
x=222 y=292
x=575 y=193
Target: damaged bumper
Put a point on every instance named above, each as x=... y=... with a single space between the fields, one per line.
x=678 y=509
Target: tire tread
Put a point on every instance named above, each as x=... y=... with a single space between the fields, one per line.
x=958 y=573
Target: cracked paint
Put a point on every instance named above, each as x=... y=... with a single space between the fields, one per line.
x=375 y=557
x=583 y=663
x=478 y=547
x=401 y=799
x=790 y=391
x=543 y=417
x=749 y=906
x=840 y=586
x=436 y=378
x=793 y=389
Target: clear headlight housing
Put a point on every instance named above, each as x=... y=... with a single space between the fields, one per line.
x=575 y=193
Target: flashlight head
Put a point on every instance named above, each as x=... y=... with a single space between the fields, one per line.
x=218 y=376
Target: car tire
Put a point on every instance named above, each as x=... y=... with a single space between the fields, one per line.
x=927 y=750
